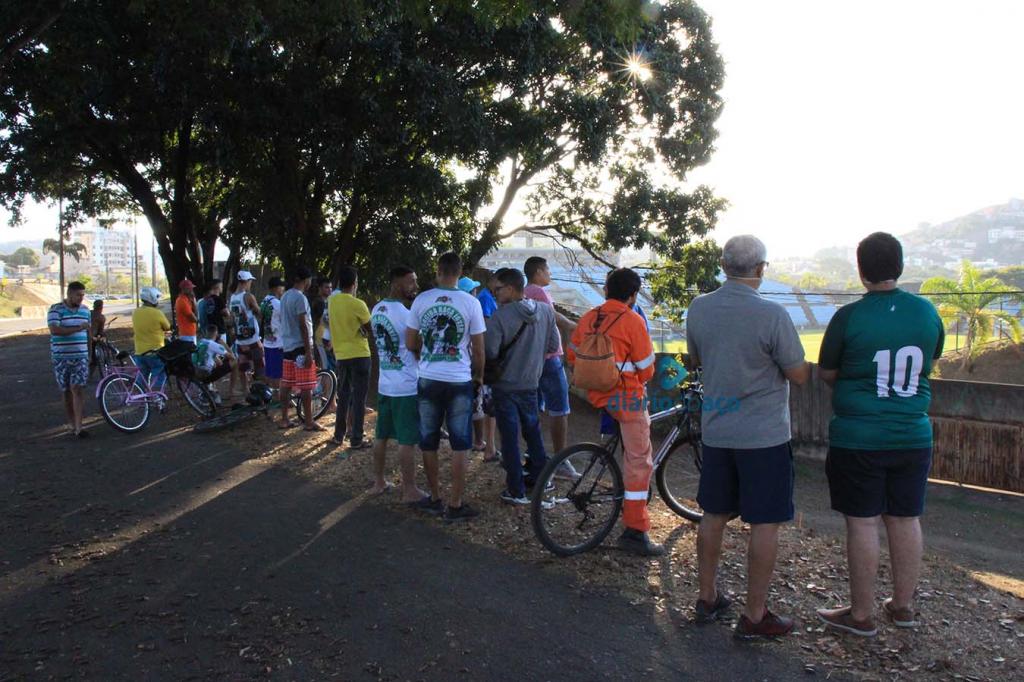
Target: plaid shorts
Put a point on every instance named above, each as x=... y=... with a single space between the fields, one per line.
x=71 y=372
x=299 y=378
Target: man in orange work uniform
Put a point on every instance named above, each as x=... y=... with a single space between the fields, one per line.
x=626 y=403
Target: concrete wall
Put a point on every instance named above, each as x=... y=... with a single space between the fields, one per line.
x=978 y=429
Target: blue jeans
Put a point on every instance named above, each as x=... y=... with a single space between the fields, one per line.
x=442 y=401
x=515 y=410
x=153 y=367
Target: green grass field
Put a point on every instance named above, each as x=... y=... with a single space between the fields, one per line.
x=810 y=340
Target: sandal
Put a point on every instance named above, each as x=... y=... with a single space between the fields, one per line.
x=290 y=424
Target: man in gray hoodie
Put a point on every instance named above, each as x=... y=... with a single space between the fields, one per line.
x=520 y=333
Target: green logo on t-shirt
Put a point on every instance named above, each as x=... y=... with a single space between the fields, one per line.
x=386 y=337
x=443 y=329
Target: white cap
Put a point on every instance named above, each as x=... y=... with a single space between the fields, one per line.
x=244 y=276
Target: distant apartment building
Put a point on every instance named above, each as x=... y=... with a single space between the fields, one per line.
x=1005 y=233
x=106 y=250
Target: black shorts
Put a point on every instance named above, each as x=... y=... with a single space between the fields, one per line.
x=866 y=483
x=756 y=483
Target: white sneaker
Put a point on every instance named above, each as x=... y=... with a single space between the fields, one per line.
x=523 y=501
x=567 y=472
x=507 y=498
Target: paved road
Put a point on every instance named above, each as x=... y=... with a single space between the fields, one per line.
x=159 y=556
x=14 y=326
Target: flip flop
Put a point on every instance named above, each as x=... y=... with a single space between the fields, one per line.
x=388 y=487
x=314 y=428
x=290 y=424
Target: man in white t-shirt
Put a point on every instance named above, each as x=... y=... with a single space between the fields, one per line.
x=447 y=327
x=212 y=360
x=398 y=414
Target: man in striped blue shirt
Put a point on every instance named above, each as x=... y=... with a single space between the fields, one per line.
x=70 y=350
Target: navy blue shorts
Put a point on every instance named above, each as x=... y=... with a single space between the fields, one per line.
x=866 y=483
x=757 y=483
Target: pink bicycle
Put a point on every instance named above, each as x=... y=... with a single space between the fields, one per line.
x=127 y=398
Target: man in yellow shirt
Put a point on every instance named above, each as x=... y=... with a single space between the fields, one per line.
x=149 y=329
x=350 y=327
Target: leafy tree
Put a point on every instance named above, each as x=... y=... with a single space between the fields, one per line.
x=59 y=248
x=343 y=132
x=75 y=249
x=969 y=298
x=24 y=256
x=812 y=281
x=1012 y=276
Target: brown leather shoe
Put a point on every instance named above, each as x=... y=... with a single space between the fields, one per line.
x=770 y=625
x=842 y=619
x=901 y=618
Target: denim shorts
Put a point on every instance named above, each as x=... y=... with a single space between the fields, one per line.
x=553 y=392
x=757 y=483
x=867 y=483
x=449 y=403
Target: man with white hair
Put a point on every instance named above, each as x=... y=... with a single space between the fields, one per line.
x=750 y=351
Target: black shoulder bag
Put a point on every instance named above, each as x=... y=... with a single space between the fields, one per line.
x=495 y=367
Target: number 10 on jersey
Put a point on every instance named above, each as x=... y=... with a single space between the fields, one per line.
x=904 y=376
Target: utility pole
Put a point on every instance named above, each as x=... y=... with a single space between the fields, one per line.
x=135 y=260
x=60 y=237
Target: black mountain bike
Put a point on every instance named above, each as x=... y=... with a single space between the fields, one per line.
x=581 y=510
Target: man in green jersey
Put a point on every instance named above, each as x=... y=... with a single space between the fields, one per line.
x=877 y=354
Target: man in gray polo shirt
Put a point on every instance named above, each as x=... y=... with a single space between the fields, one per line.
x=750 y=351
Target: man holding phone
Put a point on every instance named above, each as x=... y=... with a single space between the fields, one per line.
x=70 y=323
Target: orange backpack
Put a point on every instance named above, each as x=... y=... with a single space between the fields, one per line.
x=595 y=368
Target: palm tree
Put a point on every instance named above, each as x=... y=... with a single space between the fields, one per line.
x=968 y=298
x=57 y=247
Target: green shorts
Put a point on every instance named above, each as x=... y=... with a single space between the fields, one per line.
x=398 y=418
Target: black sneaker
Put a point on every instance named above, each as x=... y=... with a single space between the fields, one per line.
x=530 y=483
x=463 y=513
x=638 y=542
x=429 y=505
x=707 y=613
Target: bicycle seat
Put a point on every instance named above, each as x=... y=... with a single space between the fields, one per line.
x=123 y=355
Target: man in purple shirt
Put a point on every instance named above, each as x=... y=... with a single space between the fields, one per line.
x=553 y=393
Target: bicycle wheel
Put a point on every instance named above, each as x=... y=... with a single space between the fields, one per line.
x=583 y=510
x=198 y=396
x=123 y=403
x=323 y=394
x=236 y=416
x=678 y=476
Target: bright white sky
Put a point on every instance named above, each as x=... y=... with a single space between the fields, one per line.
x=844 y=118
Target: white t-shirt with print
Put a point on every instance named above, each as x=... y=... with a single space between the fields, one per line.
x=207 y=352
x=446 y=319
x=398 y=373
x=238 y=308
x=272 y=336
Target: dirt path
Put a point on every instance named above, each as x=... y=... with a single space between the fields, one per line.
x=168 y=556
